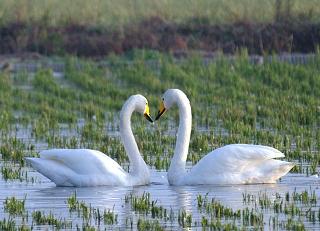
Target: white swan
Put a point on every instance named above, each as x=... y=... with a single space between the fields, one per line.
x=85 y=167
x=231 y=164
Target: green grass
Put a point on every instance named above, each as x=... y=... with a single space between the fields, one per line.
x=273 y=104
x=14 y=206
x=41 y=218
x=120 y=13
x=212 y=214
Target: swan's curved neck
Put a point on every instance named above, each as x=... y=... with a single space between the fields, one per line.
x=178 y=162
x=137 y=165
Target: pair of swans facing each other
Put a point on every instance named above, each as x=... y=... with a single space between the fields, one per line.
x=231 y=164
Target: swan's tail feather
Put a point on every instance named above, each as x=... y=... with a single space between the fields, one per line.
x=277 y=170
x=285 y=167
x=52 y=170
x=267 y=172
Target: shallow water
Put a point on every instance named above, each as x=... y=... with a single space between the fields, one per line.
x=45 y=196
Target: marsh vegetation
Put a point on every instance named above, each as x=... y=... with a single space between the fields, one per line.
x=275 y=104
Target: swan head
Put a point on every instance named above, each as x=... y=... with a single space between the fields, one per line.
x=142 y=106
x=167 y=100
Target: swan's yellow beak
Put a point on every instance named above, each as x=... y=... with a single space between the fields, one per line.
x=162 y=110
x=146 y=114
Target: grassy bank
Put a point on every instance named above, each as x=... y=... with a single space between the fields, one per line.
x=120 y=13
x=157 y=34
x=99 y=28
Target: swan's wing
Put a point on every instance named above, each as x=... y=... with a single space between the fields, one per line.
x=238 y=164
x=235 y=158
x=83 y=161
x=55 y=171
x=78 y=167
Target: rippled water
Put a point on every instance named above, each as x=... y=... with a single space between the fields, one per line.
x=44 y=196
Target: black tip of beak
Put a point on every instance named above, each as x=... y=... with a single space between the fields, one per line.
x=148 y=117
x=160 y=113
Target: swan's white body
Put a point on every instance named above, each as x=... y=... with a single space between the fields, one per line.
x=231 y=164
x=85 y=167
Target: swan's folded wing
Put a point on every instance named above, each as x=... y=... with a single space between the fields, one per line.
x=235 y=158
x=83 y=161
x=53 y=170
